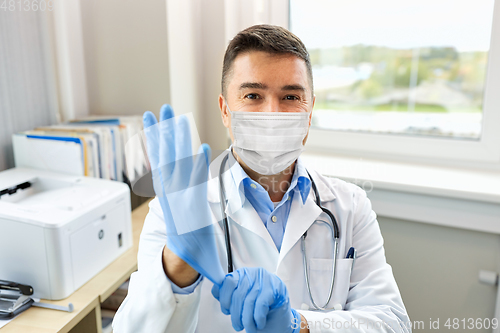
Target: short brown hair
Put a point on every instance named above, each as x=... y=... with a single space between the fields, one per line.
x=267 y=38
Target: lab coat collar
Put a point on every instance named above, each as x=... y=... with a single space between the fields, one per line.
x=324 y=191
x=302 y=216
x=300 y=179
x=235 y=192
x=213 y=187
x=238 y=208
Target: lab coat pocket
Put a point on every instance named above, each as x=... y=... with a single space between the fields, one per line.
x=321 y=279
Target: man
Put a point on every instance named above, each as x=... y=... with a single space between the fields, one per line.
x=272 y=212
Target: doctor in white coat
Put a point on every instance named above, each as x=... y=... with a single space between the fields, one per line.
x=267 y=69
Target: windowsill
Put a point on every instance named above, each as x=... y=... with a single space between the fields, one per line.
x=430 y=180
x=450 y=197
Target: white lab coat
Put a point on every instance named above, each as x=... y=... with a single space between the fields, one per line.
x=368 y=294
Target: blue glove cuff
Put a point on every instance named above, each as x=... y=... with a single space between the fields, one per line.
x=297 y=319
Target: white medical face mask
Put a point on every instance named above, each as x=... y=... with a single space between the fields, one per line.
x=269 y=142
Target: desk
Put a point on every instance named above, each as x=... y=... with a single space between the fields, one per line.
x=87 y=300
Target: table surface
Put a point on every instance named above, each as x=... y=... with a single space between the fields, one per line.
x=87 y=297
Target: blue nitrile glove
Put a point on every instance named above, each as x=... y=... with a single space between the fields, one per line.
x=180 y=183
x=257 y=301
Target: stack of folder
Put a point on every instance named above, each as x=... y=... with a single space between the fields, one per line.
x=101 y=147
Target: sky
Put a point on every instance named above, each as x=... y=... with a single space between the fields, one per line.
x=464 y=24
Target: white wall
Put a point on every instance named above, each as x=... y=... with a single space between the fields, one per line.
x=127 y=59
x=196 y=41
x=126 y=56
x=214 y=44
x=437 y=268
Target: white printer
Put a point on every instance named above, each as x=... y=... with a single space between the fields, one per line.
x=58 y=231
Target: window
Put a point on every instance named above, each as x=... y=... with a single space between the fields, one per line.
x=413 y=78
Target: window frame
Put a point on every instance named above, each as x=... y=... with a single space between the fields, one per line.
x=431 y=149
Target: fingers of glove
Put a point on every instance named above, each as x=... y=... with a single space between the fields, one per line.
x=201 y=165
x=183 y=134
x=207 y=151
x=226 y=291
x=166 y=112
x=151 y=132
x=183 y=155
x=216 y=291
x=167 y=143
x=237 y=301
x=262 y=306
x=249 y=310
x=296 y=319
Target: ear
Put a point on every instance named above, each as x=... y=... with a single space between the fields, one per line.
x=224 y=111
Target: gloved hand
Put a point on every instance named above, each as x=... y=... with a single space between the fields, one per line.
x=257 y=301
x=180 y=183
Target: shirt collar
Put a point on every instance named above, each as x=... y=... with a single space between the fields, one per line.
x=301 y=179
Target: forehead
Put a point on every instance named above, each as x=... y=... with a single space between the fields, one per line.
x=268 y=68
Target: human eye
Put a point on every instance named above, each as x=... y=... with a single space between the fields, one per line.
x=292 y=98
x=252 y=96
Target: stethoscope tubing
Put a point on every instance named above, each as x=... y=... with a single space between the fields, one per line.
x=225 y=224
x=306 y=271
x=333 y=226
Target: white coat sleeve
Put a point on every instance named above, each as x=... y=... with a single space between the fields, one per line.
x=373 y=303
x=150 y=305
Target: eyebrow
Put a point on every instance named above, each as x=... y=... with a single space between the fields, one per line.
x=258 y=85
x=294 y=87
x=252 y=85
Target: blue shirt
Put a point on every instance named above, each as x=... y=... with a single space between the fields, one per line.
x=274 y=218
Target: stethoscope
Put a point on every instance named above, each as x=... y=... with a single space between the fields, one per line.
x=332 y=223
